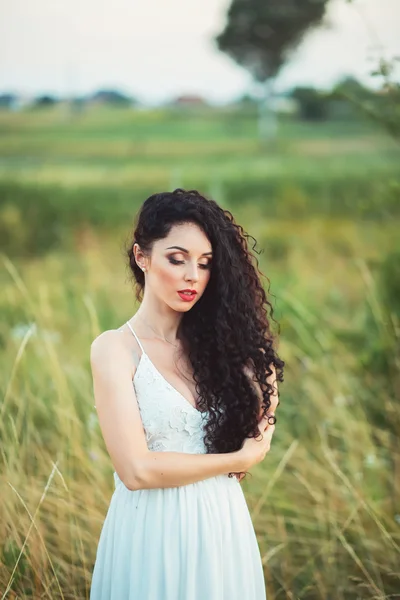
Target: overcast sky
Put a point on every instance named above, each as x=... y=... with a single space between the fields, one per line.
x=156 y=49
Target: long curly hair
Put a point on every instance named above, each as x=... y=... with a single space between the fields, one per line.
x=228 y=329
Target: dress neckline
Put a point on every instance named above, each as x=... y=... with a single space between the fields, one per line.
x=160 y=374
x=145 y=355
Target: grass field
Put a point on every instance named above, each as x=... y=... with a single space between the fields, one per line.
x=323 y=204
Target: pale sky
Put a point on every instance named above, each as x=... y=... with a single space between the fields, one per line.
x=157 y=49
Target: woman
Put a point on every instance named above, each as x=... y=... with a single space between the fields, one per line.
x=185 y=398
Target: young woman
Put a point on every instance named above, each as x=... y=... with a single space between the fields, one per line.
x=186 y=392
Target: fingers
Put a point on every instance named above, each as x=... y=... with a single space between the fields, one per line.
x=266 y=421
x=270 y=431
x=267 y=435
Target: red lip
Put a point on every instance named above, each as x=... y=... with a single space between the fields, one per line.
x=187 y=297
x=188 y=290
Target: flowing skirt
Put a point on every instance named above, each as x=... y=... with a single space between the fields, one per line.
x=192 y=542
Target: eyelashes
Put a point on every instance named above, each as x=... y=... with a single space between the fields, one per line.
x=181 y=262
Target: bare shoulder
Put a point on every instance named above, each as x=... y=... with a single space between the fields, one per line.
x=109 y=345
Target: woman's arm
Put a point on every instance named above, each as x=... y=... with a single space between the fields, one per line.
x=274 y=397
x=172 y=469
x=123 y=433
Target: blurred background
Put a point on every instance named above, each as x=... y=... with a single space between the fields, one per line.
x=287 y=113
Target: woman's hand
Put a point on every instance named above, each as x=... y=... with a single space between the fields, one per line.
x=254 y=449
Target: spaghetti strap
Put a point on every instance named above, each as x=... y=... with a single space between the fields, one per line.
x=137 y=339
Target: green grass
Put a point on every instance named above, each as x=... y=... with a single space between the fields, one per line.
x=95 y=168
x=323 y=206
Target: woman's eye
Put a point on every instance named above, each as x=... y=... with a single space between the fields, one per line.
x=181 y=262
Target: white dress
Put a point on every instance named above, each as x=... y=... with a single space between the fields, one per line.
x=192 y=542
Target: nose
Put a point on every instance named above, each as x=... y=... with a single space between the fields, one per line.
x=192 y=273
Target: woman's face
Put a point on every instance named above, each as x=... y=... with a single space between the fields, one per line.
x=181 y=261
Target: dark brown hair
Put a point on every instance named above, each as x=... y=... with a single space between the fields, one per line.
x=228 y=328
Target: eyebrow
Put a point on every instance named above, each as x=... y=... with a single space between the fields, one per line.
x=184 y=250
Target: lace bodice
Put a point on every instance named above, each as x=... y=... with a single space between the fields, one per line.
x=170 y=422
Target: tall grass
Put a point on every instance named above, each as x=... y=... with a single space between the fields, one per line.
x=325 y=502
x=323 y=204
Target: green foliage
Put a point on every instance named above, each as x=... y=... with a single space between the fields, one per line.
x=59 y=179
x=260 y=34
x=383 y=107
x=313 y=104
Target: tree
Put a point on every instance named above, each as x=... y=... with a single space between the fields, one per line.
x=313 y=104
x=349 y=85
x=8 y=100
x=114 y=97
x=44 y=101
x=260 y=35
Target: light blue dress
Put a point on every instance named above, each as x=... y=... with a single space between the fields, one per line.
x=192 y=542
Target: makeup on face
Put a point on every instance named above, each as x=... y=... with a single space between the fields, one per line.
x=185 y=251
x=190 y=293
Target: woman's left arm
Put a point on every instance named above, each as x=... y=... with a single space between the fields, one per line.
x=274 y=397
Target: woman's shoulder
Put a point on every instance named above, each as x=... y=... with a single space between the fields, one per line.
x=110 y=335
x=116 y=346
x=108 y=343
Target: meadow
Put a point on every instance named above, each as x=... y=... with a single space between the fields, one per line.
x=323 y=204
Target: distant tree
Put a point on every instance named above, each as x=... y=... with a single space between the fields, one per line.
x=342 y=96
x=261 y=34
x=111 y=97
x=44 y=101
x=7 y=100
x=349 y=85
x=313 y=104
